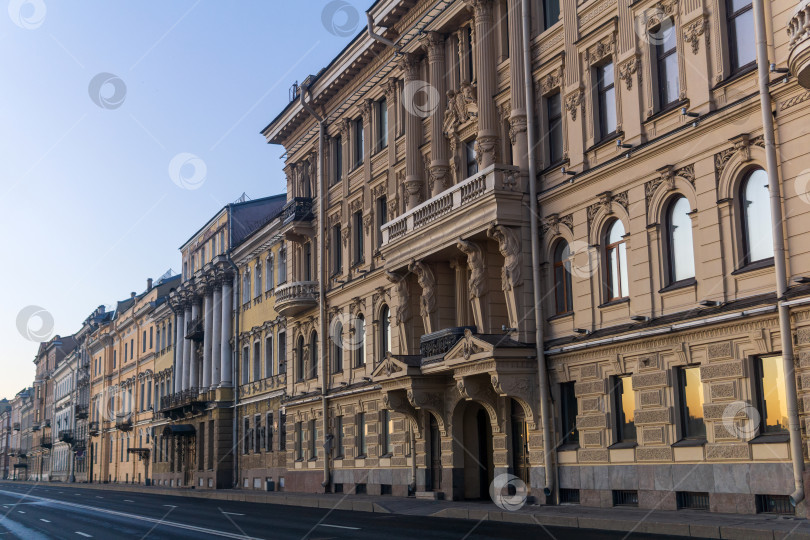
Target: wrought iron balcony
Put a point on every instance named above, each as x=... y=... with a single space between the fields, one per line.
x=195 y=329
x=439 y=343
x=45 y=441
x=296 y=297
x=35 y=427
x=16 y=426
x=66 y=435
x=798 y=30
x=178 y=404
x=298 y=209
x=123 y=421
x=82 y=411
x=92 y=428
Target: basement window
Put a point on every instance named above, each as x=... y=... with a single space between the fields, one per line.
x=692 y=500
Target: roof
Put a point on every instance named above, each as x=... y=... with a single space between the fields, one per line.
x=248 y=217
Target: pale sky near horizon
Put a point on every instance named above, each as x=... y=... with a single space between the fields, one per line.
x=88 y=203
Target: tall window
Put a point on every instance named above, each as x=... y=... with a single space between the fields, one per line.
x=740 y=26
x=245 y=364
x=337 y=347
x=337 y=148
x=313 y=357
x=555 y=134
x=382 y=217
x=258 y=280
x=568 y=413
x=387 y=430
x=551 y=13
x=469 y=156
x=362 y=435
x=681 y=253
x=313 y=440
x=357 y=133
x=269 y=281
x=340 y=451
x=299 y=451
x=382 y=124
x=606 y=92
x=771 y=394
x=562 y=277
x=282 y=352
x=282 y=265
x=337 y=250
x=616 y=252
x=756 y=219
x=357 y=230
x=360 y=341
x=690 y=391
x=307 y=261
x=299 y=351
x=385 y=332
x=270 y=430
x=246 y=286
x=664 y=36
x=268 y=356
x=625 y=405
x=257 y=360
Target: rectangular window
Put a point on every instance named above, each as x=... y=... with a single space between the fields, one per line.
x=270 y=431
x=313 y=440
x=337 y=251
x=126 y=351
x=388 y=429
x=771 y=394
x=299 y=451
x=469 y=156
x=338 y=145
x=382 y=217
x=606 y=93
x=357 y=226
x=270 y=281
x=362 y=444
x=551 y=13
x=151 y=330
x=131 y=348
x=339 y=449
x=568 y=413
x=555 y=134
x=257 y=361
x=625 y=405
x=307 y=262
x=245 y=364
x=257 y=286
x=690 y=391
x=740 y=25
x=258 y=443
x=282 y=352
x=268 y=356
x=282 y=265
x=357 y=132
x=666 y=65
x=382 y=124
x=143 y=342
x=282 y=431
x=246 y=435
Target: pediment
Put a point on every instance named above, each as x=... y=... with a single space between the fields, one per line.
x=469 y=347
x=392 y=367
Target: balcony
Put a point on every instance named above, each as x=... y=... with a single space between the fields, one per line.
x=35 y=427
x=195 y=330
x=296 y=220
x=180 y=404
x=45 y=441
x=16 y=426
x=123 y=421
x=296 y=297
x=66 y=435
x=469 y=207
x=92 y=428
x=798 y=30
x=82 y=412
x=439 y=343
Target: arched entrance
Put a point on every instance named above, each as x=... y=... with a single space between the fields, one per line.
x=475 y=451
x=433 y=478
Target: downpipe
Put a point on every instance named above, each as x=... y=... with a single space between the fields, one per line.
x=542 y=373
x=779 y=252
x=327 y=440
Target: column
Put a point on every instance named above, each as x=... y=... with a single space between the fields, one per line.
x=517 y=117
x=225 y=351
x=484 y=61
x=439 y=165
x=178 y=351
x=194 y=362
x=207 y=357
x=186 y=350
x=413 y=130
x=216 y=338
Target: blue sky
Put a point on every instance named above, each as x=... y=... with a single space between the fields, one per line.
x=87 y=204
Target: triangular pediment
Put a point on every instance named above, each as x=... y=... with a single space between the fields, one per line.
x=469 y=347
x=392 y=367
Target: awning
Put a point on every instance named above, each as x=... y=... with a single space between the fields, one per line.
x=182 y=430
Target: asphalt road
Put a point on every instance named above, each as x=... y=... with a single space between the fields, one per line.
x=49 y=511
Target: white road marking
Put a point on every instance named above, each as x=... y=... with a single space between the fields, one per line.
x=80 y=533
x=99 y=497
x=127 y=500
x=170 y=505
x=20 y=512
x=44 y=520
x=338 y=527
x=233 y=514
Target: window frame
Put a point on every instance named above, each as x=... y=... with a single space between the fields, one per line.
x=567 y=398
x=602 y=101
x=682 y=424
x=660 y=56
x=554 y=123
x=619 y=418
x=760 y=397
x=567 y=285
x=669 y=240
x=731 y=31
x=615 y=247
x=745 y=227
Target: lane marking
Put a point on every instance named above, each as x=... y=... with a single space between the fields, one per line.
x=127 y=500
x=99 y=497
x=338 y=526
x=80 y=533
x=232 y=514
x=20 y=512
x=44 y=520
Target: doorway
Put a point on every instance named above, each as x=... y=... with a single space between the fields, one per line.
x=479 y=470
x=433 y=478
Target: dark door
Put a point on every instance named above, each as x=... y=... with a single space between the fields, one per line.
x=520 y=443
x=485 y=470
x=434 y=477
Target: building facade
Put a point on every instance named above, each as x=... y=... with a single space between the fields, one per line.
x=5 y=437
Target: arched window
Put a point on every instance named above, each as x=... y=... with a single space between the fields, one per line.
x=337 y=347
x=562 y=277
x=616 y=256
x=360 y=341
x=756 y=217
x=300 y=358
x=385 y=332
x=313 y=357
x=680 y=250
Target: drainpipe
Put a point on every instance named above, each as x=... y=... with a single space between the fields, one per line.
x=321 y=285
x=779 y=252
x=542 y=373
x=234 y=353
x=375 y=36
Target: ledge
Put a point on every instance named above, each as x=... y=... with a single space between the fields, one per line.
x=560 y=316
x=668 y=109
x=682 y=284
x=616 y=302
x=623 y=445
x=685 y=443
x=745 y=70
x=769 y=438
x=605 y=141
x=752 y=267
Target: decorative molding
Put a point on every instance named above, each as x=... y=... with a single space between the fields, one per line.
x=693 y=31
x=574 y=100
x=551 y=224
x=606 y=200
x=629 y=68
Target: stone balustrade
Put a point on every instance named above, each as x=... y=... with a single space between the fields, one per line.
x=798 y=30
x=295 y=297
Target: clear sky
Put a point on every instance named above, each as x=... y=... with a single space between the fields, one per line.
x=98 y=101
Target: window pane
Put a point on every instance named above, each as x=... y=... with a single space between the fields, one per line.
x=774 y=402
x=623 y=270
x=551 y=12
x=555 y=136
x=625 y=408
x=737 y=5
x=682 y=254
x=616 y=232
x=692 y=403
x=559 y=285
x=668 y=79
x=569 y=413
x=743 y=33
x=613 y=261
x=757 y=214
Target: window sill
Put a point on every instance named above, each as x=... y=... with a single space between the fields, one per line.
x=686 y=443
x=752 y=267
x=361 y=456
x=616 y=302
x=682 y=284
x=607 y=139
x=567 y=447
x=559 y=316
x=387 y=455
x=674 y=106
x=622 y=445
x=742 y=72
x=769 y=438
x=554 y=166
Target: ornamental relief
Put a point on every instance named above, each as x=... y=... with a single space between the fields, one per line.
x=742 y=144
x=629 y=68
x=551 y=224
x=603 y=49
x=693 y=31
x=666 y=177
x=574 y=101
x=606 y=200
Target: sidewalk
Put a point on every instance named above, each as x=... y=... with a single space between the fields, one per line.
x=681 y=523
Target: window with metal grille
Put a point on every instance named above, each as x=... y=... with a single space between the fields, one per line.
x=569 y=496
x=774 y=504
x=625 y=497
x=694 y=500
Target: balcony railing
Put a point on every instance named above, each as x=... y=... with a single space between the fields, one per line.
x=82 y=411
x=123 y=421
x=454 y=201
x=16 y=426
x=439 y=343
x=66 y=435
x=35 y=427
x=179 y=403
x=798 y=30
x=298 y=209
x=296 y=297
x=195 y=330
x=45 y=441
x=92 y=428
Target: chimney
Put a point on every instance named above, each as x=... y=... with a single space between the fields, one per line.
x=148 y=284
x=132 y=294
x=101 y=309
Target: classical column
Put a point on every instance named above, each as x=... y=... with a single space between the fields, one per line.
x=227 y=316
x=439 y=165
x=194 y=362
x=216 y=338
x=187 y=345
x=178 y=351
x=517 y=117
x=207 y=357
x=413 y=130
x=484 y=61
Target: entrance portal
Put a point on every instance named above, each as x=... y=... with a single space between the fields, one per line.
x=477 y=450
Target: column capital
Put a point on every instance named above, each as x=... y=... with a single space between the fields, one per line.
x=390 y=89
x=433 y=42
x=410 y=65
x=481 y=8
